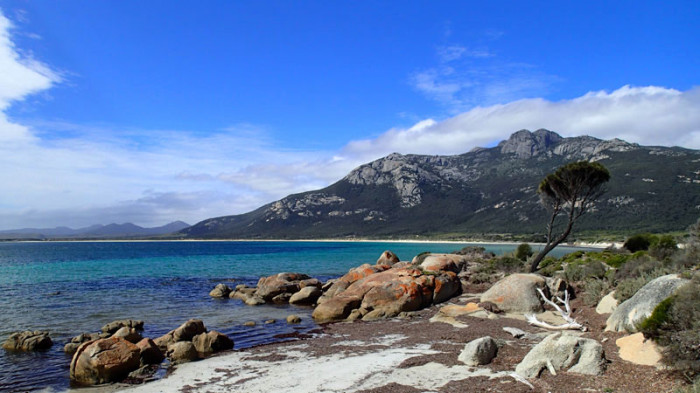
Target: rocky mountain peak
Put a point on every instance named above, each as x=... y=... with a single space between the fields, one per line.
x=526 y=144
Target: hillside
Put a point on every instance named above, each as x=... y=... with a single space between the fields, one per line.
x=487 y=190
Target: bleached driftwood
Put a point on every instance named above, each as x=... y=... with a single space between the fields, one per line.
x=570 y=324
x=522 y=379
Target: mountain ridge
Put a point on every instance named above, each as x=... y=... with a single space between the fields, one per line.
x=94 y=231
x=486 y=190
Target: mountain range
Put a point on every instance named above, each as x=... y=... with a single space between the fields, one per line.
x=484 y=191
x=95 y=231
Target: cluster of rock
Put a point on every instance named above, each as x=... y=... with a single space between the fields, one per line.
x=120 y=351
x=292 y=288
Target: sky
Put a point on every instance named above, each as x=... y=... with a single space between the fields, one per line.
x=155 y=111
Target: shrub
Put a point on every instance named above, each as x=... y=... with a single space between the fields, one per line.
x=594 y=289
x=507 y=264
x=581 y=270
x=523 y=252
x=664 y=248
x=549 y=266
x=637 y=267
x=659 y=319
x=639 y=242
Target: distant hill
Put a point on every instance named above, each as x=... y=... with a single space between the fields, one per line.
x=127 y=230
x=484 y=191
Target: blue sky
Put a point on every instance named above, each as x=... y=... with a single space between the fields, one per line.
x=149 y=112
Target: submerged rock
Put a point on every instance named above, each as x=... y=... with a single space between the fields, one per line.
x=279 y=285
x=28 y=341
x=113 y=326
x=220 y=291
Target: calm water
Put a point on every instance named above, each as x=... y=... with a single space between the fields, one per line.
x=74 y=287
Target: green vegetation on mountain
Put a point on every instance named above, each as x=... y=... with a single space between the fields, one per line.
x=486 y=193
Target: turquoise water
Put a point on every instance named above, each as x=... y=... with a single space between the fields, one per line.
x=74 y=287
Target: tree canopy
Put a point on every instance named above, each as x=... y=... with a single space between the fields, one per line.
x=569 y=192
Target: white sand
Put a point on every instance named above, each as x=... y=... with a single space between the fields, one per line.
x=344 y=371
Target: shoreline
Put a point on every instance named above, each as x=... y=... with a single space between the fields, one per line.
x=601 y=245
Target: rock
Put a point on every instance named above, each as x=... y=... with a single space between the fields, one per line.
x=249 y=323
x=129 y=334
x=454 y=310
x=143 y=374
x=28 y=341
x=149 y=353
x=311 y=282
x=640 y=306
x=220 y=291
x=607 y=304
x=637 y=350
x=336 y=308
x=247 y=295
x=211 y=342
x=306 y=295
x=103 y=361
x=561 y=351
x=269 y=287
x=293 y=319
x=181 y=352
x=351 y=277
x=389 y=293
x=515 y=332
x=479 y=352
x=188 y=330
x=387 y=258
x=517 y=293
x=163 y=341
x=113 y=326
x=443 y=263
x=447 y=286
x=75 y=342
x=270 y=321
x=281 y=298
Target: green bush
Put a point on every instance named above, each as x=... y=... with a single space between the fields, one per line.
x=659 y=319
x=637 y=267
x=507 y=264
x=523 y=252
x=594 y=289
x=664 y=248
x=582 y=270
x=549 y=266
x=639 y=242
x=625 y=289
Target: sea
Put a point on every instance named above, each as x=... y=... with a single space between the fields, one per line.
x=69 y=288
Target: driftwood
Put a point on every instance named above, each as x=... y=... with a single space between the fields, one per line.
x=566 y=315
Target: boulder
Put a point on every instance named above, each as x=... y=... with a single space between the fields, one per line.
x=163 y=341
x=189 y=329
x=103 y=361
x=607 y=304
x=387 y=258
x=128 y=334
x=336 y=308
x=277 y=284
x=211 y=342
x=561 y=351
x=293 y=319
x=113 y=326
x=447 y=286
x=389 y=293
x=640 y=306
x=306 y=295
x=517 y=293
x=75 y=342
x=220 y=291
x=181 y=352
x=28 y=341
x=479 y=352
x=443 y=263
x=351 y=277
x=310 y=282
x=149 y=353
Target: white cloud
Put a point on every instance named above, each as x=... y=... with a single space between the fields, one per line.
x=647 y=115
